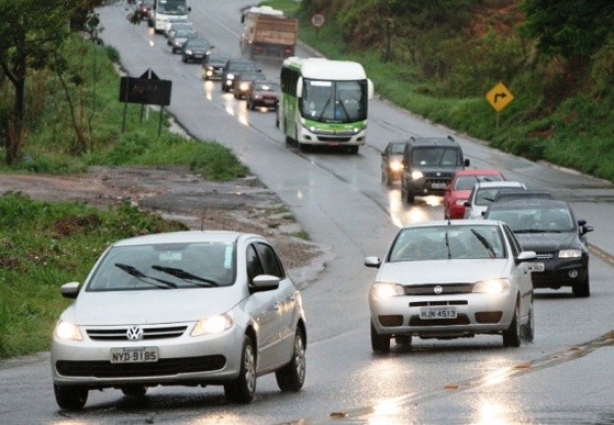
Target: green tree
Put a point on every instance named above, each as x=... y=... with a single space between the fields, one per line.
x=31 y=32
x=570 y=28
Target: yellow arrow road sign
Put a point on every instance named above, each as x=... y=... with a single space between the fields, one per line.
x=499 y=97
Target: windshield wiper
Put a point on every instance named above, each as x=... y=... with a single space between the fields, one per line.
x=529 y=231
x=132 y=271
x=182 y=274
x=326 y=106
x=484 y=242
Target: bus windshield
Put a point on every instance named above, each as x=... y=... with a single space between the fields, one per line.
x=334 y=101
x=172 y=7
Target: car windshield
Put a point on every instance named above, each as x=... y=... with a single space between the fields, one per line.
x=169 y=266
x=436 y=156
x=397 y=148
x=266 y=87
x=243 y=66
x=448 y=243
x=536 y=220
x=467 y=182
x=250 y=76
x=184 y=33
x=198 y=42
x=485 y=196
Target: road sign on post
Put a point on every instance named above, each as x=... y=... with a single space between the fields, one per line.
x=499 y=97
x=147 y=89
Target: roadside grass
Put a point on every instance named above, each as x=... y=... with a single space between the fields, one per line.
x=46 y=244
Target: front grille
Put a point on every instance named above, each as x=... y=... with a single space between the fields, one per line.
x=545 y=255
x=461 y=319
x=447 y=289
x=437 y=303
x=333 y=139
x=149 y=333
x=163 y=367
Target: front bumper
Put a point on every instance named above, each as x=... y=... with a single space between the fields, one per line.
x=476 y=314
x=184 y=360
x=560 y=272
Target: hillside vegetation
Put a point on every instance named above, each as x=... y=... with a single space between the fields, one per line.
x=440 y=58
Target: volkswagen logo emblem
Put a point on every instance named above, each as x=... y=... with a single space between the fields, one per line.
x=134 y=333
x=438 y=289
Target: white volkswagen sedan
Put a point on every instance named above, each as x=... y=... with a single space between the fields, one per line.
x=183 y=308
x=452 y=279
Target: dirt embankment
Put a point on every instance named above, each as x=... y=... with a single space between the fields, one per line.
x=176 y=193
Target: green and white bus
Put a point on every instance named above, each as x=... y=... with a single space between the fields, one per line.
x=324 y=102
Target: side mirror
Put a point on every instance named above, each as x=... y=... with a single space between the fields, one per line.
x=466 y=162
x=299 y=87
x=374 y=262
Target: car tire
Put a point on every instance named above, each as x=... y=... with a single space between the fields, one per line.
x=184 y=59
x=70 y=397
x=528 y=331
x=511 y=336
x=354 y=150
x=134 y=390
x=243 y=388
x=379 y=343
x=582 y=289
x=406 y=194
x=291 y=377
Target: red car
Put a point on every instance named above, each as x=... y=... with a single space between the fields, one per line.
x=459 y=189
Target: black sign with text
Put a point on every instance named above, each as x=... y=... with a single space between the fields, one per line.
x=150 y=91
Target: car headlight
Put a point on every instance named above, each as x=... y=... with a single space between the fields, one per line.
x=213 y=325
x=188 y=52
x=492 y=286
x=230 y=77
x=570 y=253
x=243 y=86
x=396 y=165
x=460 y=201
x=177 y=43
x=417 y=175
x=384 y=290
x=67 y=330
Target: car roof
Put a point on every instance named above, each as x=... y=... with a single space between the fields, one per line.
x=457 y=222
x=513 y=194
x=478 y=172
x=433 y=141
x=189 y=236
x=528 y=203
x=503 y=183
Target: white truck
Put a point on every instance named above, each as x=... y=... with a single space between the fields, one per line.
x=268 y=33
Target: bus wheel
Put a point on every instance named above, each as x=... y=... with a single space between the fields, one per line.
x=354 y=150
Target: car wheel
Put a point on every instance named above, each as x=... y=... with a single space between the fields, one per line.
x=582 y=288
x=292 y=376
x=511 y=336
x=354 y=150
x=243 y=388
x=134 y=390
x=184 y=59
x=406 y=194
x=404 y=340
x=379 y=343
x=528 y=332
x=70 y=397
